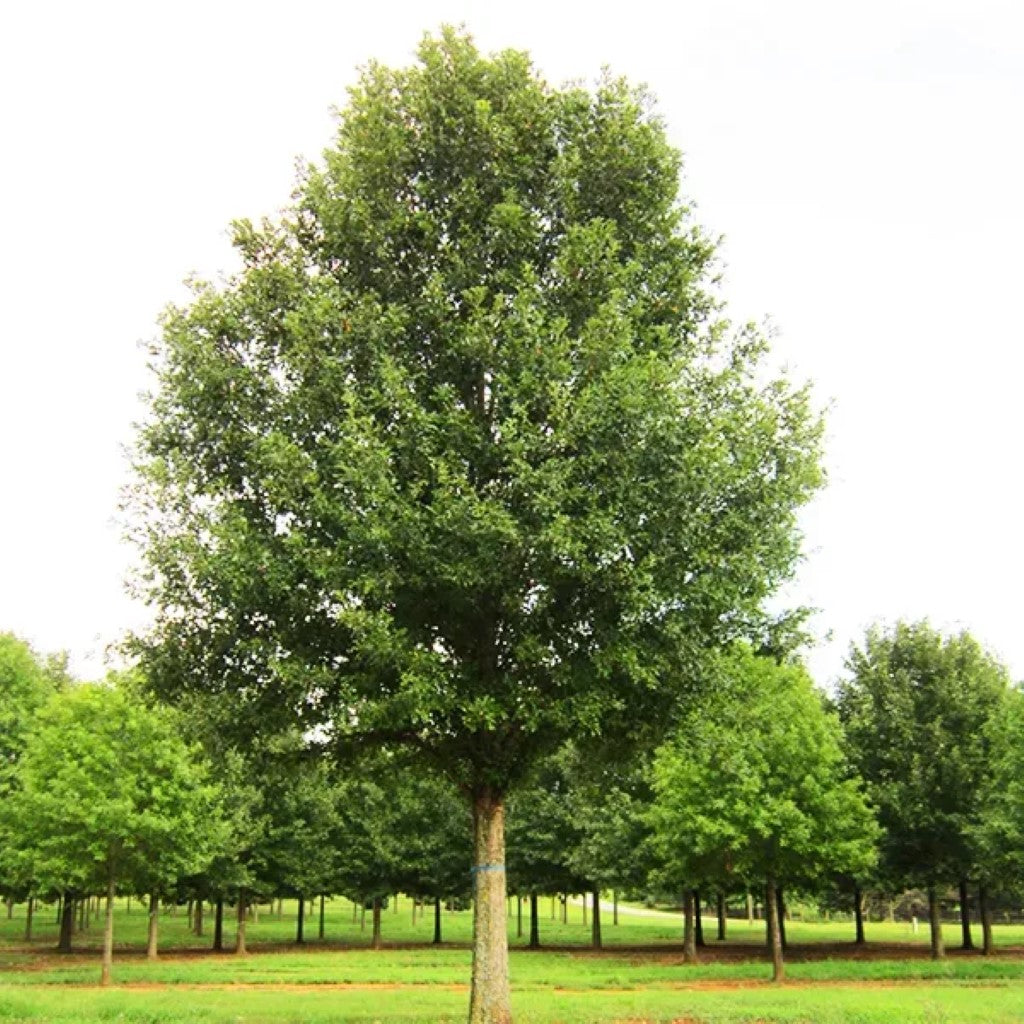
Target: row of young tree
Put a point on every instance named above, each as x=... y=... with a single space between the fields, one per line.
x=910 y=777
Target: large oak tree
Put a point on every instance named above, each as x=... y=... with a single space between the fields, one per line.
x=464 y=457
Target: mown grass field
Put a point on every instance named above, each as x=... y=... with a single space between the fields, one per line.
x=639 y=975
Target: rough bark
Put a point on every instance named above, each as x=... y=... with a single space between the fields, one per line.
x=154 y=925
x=218 y=925
x=67 y=925
x=721 y=916
x=375 y=942
x=437 y=920
x=595 y=927
x=240 y=932
x=689 y=931
x=965 y=915
x=771 y=907
x=985 y=911
x=108 y=933
x=300 y=923
x=858 y=914
x=489 y=992
x=534 y=923
x=935 y=924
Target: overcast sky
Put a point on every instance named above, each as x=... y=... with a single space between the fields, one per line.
x=864 y=163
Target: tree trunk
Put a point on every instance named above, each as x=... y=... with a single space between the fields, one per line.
x=128 y=905
x=565 y=908
x=321 y=932
x=534 y=923
x=67 y=924
x=108 y=933
x=28 y=918
x=437 y=920
x=218 y=925
x=583 y=905
x=154 y=923
x=489 y=1001
x=595 y=928
x=60 y=907
x=750 y=908
x=189 y=912
x=9 y=901
x=375 y=942
x=240 y=927
x=772 y=900
x=82 y=901
x=858 y=914
x=355 y=911
x=985 y=911
x=300 y=923
x=720 y=906
x=965 y=915
x=362 y=916
x=519 y=916
x=698 y=921
x=615 y=906
x=935 y=924
x=780 y=916
x=689 y=931
x=197 y=921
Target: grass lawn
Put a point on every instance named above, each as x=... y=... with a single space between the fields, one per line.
x=638 y=977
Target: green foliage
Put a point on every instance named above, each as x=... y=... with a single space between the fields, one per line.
x=463 y=458
x=754 y=783
x=26 y=683
x=917 y=709
x=107 y=789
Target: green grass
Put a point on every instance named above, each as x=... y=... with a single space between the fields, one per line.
x=638 y=977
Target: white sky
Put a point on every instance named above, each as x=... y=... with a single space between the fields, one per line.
x=864 y=161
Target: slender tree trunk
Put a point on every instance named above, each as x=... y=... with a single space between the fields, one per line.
x=534 y=922
x=9 y=901
x=750 y=908
x=565 y=908
x=197 y=922
x=698 y=920
x=67 y=924
x=780 y=916
x=583 y=905
x=858 y=914
x=985 y=911
x=375 y=942
x=721 y=916
x=300 y=922
x=82 y=901
x=218 y=925
x=28 y=918
x=128 y=904
x=154 y=924
x=189 y=912
x=771 y=907
x=362 y=918
x=689 y=931
x=554 y=900
x=519 y=916
x=240 y=927
x=437 y=920
x=489 y=1001
x=108 y=933
x=595 y=928
x=60 y=907
x=965 y=915
x=321 y=933
x=935 y=924
x=615 y=906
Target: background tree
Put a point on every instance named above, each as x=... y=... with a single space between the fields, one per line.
x=107 y=791
x=755 y=782
x=915 y=708
x=463 y=458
